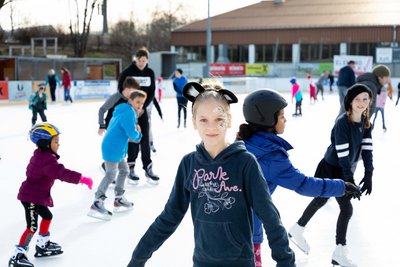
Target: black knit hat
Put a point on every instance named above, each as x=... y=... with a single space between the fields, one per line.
x=354 y=91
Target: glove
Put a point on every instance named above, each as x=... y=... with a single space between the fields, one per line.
x=87 y=181
x=352 y=190
x=366 y=183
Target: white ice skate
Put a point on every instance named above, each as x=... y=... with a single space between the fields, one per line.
x=45 y=248
x=121 y=204
x=98 y=211
x=340 y=257
x=296 y=236
x=20 y=258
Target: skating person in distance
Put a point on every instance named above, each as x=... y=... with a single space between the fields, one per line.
x=222 y=183
x=297 y=95
x=123 y=128
x=351 y=140
x=264 y=112
x=41 y=173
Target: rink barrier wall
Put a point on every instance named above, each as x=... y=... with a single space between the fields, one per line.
x=19 y=92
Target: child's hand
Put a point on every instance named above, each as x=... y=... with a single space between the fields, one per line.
x=87 y=181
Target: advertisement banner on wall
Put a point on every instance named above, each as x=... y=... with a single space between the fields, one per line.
x=383 y=55
x=363 y=63
x=94 y=89
x=19 y=90
x=235 y=69
x=257 y=69
x=3 y=90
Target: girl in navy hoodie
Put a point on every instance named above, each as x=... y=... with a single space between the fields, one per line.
x=264 y=113
x=34 y=193
x=222 y=183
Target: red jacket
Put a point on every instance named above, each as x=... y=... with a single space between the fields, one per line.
x=41 y=172
x=66 y=80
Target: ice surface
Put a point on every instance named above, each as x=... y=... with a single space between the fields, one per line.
x=372 y=232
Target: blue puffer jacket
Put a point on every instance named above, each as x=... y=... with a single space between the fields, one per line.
x=271 y=153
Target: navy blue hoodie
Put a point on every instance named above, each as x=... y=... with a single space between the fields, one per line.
x=222 y=193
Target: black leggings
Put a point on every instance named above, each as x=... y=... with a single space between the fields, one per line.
x=32 y=211
x=325 y=170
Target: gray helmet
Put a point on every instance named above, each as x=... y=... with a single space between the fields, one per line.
x=260 y=106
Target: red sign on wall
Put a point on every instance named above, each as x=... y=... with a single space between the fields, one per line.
x=3 y=90
x=236 y=69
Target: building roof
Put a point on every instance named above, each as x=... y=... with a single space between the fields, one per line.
x=301 y=14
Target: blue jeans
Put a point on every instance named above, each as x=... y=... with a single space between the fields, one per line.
x=67 y=95
x=382 y=110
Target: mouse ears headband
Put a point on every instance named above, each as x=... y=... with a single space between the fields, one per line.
x=192 y=90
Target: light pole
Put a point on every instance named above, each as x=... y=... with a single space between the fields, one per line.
x=208 y=44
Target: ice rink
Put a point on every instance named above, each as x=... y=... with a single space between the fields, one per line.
x=372 y=232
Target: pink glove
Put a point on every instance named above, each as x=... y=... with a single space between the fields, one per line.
x=87 y=181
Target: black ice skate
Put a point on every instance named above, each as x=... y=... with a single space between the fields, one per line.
x=121 y=204
x=19 y=259
x=98 y=211
x=132 y=177
x=45 y=248
x=151 y=177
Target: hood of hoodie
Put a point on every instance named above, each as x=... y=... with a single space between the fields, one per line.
x=263 y=144
x=369 y=79
x=204 y=158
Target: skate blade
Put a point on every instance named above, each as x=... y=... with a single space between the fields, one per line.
x=152 y=182
x=133 y=182
x=100 y=216
x=122 y=209
x=50 y=254
x=294 y=242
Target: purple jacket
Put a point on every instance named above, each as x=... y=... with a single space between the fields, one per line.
x=41 y=173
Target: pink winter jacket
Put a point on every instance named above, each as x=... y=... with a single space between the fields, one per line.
x=381 y=99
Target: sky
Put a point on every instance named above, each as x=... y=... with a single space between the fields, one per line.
x=89 y=242
x=58 y=12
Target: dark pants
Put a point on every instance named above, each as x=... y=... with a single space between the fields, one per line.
x=182 y=106
x=298 y=107
x=53 y=93
x=325 y=170
x=35 y=111
x=320 y=88
x=143 y=146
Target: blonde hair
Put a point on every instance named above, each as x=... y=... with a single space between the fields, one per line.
x=211 y=92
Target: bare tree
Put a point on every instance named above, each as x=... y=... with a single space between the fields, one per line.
x=4 y=2
x=125 y=38
x=80 y=33
x=162 y=24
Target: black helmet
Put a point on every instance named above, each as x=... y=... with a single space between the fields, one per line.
x=260 y=106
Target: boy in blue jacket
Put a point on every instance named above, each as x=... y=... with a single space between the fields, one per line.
x=123 y=127
x=263 y=111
